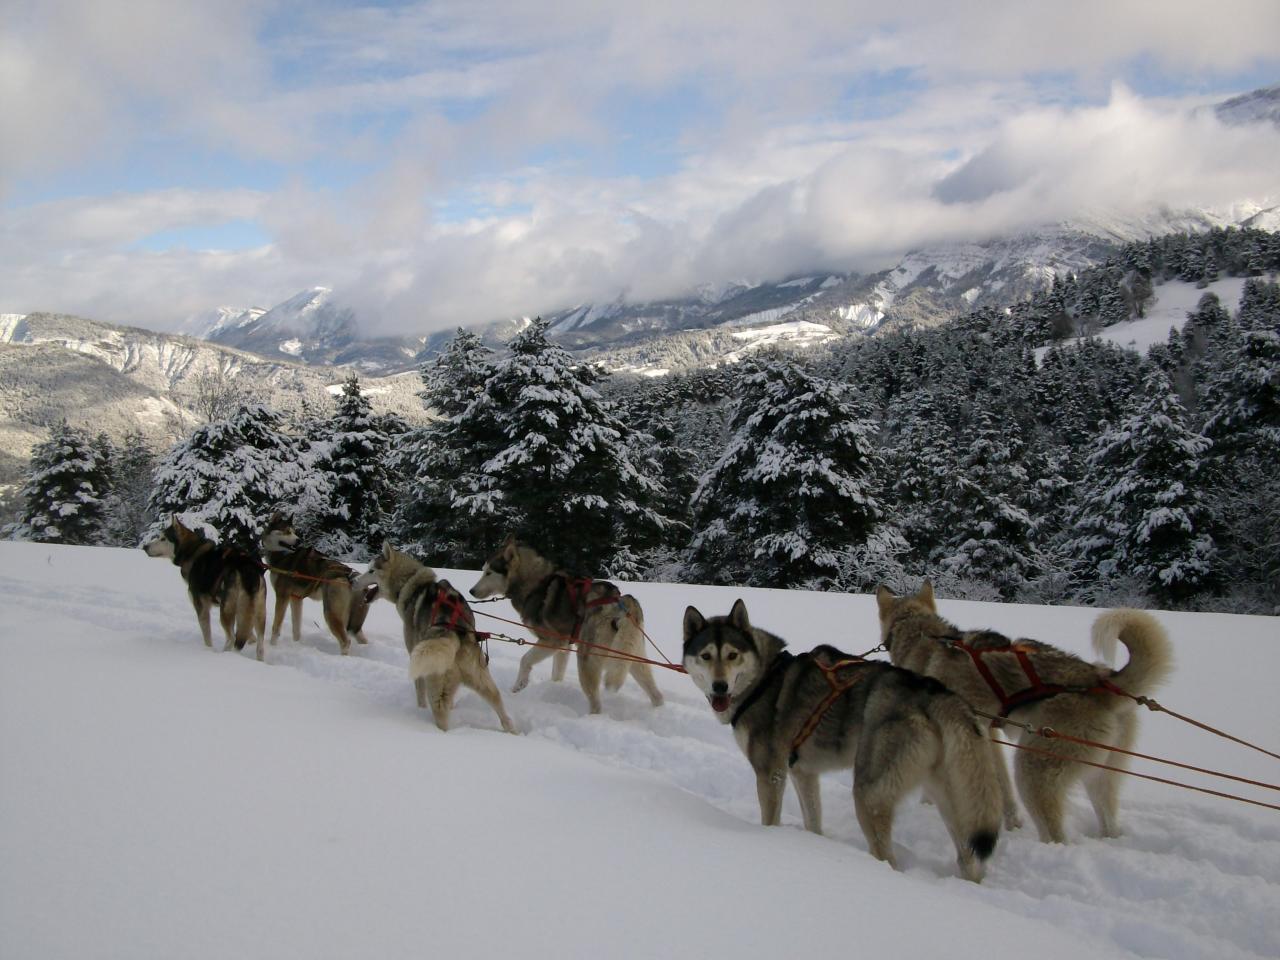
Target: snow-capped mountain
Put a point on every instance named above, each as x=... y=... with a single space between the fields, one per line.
x=1257 y=106
x=113 y=379
x=927 y=286
x=313 y=327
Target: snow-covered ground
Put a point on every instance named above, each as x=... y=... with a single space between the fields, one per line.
x=161 y=800
x=1169 y=309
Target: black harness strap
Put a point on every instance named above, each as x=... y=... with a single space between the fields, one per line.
x=779 y=664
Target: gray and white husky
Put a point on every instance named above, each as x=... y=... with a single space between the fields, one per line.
x=557 y=606
x=1040 y=685
x=439 y=633
x=805 y=714
x=304 y=573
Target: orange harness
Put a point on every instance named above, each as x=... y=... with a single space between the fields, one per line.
x=1036 y=691
x=838 y=688
x=578 y=588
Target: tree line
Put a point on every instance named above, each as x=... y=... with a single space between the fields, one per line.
x=988 y=454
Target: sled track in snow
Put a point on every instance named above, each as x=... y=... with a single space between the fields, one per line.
x=1144 y=893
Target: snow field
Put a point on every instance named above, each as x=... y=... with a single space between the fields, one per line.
x=159 y=799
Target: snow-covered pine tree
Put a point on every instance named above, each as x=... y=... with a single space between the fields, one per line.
x=988 y=527
x=352 y=497
x=63 y=495
x=795 y=487
x=229 y=475
x=442 y=460
x=920 y=456
x=126 y=510
x=1150 y=504
x=563 y=477
x=1243 y=424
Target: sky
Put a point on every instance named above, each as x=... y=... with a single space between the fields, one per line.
x=447 y=163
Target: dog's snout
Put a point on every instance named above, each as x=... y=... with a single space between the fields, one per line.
x=719 y=687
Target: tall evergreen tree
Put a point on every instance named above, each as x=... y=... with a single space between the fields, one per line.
x=562 y=476
x=990 y=529
x=1151 y=506
x=126 y=510
x=63 y=495
x=441 y=461
x=795 y=487
x=230 y=474
x=353 y=495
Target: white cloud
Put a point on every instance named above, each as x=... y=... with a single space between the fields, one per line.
x=779 y=171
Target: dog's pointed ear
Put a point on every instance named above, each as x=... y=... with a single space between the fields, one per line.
x=925 y=595
x=508 y=547
x=387 y=549
x=738 y=615
x=694 y=622
x=884 y=600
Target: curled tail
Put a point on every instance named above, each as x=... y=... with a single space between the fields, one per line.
x=1150 y=652
x=433 y=656
x=970 y=779
x=359 y=607
x=628 y=637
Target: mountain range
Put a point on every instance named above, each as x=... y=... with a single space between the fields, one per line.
x=54 y=366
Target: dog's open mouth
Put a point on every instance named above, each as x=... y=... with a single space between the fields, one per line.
x=719 y=702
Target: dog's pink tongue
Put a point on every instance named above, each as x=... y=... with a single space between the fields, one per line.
x=720 y=703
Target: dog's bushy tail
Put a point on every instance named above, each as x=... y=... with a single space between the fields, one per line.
x=969 y=774
x=1150 y=652
x=358 y=609
x=628 y=636
x=433 y=656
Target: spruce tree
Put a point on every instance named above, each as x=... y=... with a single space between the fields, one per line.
x=1151 y=505
x=352 y=498
x=443 y=460
x=126 y=510
x=230 y=475
x=795 y=487
x=562 y=476
x=63 y=495
x=990 y=529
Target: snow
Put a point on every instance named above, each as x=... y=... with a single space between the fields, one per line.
x=9 y=324
x=1173 y=301
x=770 y=316
x=292 y=347
x=795 y=329
x=861 y=314
x=159 y=799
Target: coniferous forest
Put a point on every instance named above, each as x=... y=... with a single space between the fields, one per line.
x=1007 y=454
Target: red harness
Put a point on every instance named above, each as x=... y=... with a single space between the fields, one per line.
x=578 y=588
x=1036 y=691
x=455 y=610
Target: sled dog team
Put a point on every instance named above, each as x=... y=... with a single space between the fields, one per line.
x=898 y=726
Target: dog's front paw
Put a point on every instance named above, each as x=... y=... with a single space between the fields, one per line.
x=520 y=684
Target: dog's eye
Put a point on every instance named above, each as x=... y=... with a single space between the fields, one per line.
x=707 y=657
x=732 y=655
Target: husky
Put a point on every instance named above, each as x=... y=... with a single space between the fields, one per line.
x=225 y=576
x=1040 y=685
x=306 y=573
x=562 y=609
x=810 y=713
x=439 y=633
